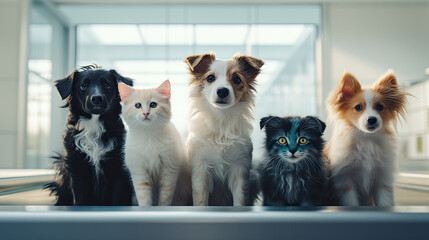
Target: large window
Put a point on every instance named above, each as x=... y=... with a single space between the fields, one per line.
x=39 y=91
x=47 y=57
x=151 y=53
x=149 y=44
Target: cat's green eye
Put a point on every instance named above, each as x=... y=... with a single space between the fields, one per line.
x=153 y=104
x=282 y=140
x=138 y=105
x=302 y=140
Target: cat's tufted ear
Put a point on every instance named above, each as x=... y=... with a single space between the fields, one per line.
x=264 y=121
x=125 y=91
x=165 y=89
x=316 y=123
x=64 y=86
x=120 y=78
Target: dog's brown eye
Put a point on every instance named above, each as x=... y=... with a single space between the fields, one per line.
x=236 y=80
x=106 y=85
x=210 y=78
x=83 y=86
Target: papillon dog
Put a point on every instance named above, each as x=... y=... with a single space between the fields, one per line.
x=221 y=98
x=361 y=152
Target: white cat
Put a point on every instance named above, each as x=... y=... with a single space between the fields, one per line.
x=154 y=150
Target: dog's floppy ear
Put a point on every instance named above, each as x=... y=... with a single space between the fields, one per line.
x=316 y=123
x=200 y=63
x=120 y=78
x=252 y=66
x=264 y=121
x=64 y=86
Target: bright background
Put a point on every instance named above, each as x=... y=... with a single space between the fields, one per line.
x=306 y=47
x=154 y=48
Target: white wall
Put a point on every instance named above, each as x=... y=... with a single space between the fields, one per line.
x=368 y=38
x=13 y=38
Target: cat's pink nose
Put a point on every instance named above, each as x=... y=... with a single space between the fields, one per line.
x=146 y=114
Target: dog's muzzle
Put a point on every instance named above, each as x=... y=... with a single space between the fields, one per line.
x=96 y=104
x=222 y=94
x=372 y=124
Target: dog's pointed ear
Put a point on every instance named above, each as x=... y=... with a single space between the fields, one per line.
x=395 y=98
x=387 y=80
x=64 y=86
x=264 y=121
x=200 y=63
x=316 y=123
x=348 y=86
x=120 y=78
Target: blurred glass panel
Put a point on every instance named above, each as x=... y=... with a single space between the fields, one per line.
x=39 y=95
x=414 y=131
x=114 y=34
x=221 y=34
x=275 y=34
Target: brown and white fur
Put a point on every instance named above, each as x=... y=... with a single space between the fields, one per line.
x=361 y=151
x=154 y=150
x=221 y=110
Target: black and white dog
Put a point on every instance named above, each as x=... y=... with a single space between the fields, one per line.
x=92 y=170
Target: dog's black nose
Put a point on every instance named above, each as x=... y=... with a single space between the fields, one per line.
x=222 y=92
x=372 y=120
x=96 y=99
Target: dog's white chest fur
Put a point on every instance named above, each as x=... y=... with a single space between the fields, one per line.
x=89 y=140
x=370 y=156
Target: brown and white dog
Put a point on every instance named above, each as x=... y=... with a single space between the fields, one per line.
x=362 y=148
x=221 y=110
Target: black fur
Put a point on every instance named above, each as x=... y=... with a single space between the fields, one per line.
x=286 y=183
x=76 y=181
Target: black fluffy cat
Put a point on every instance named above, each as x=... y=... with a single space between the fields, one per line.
x=294 y=172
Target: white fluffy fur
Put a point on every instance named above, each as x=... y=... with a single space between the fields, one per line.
x=210 y=92
x=152 y=155
x=369 y=112
x=89 y=141
x=362 y=161
x=154 y=150
x=219 y=143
